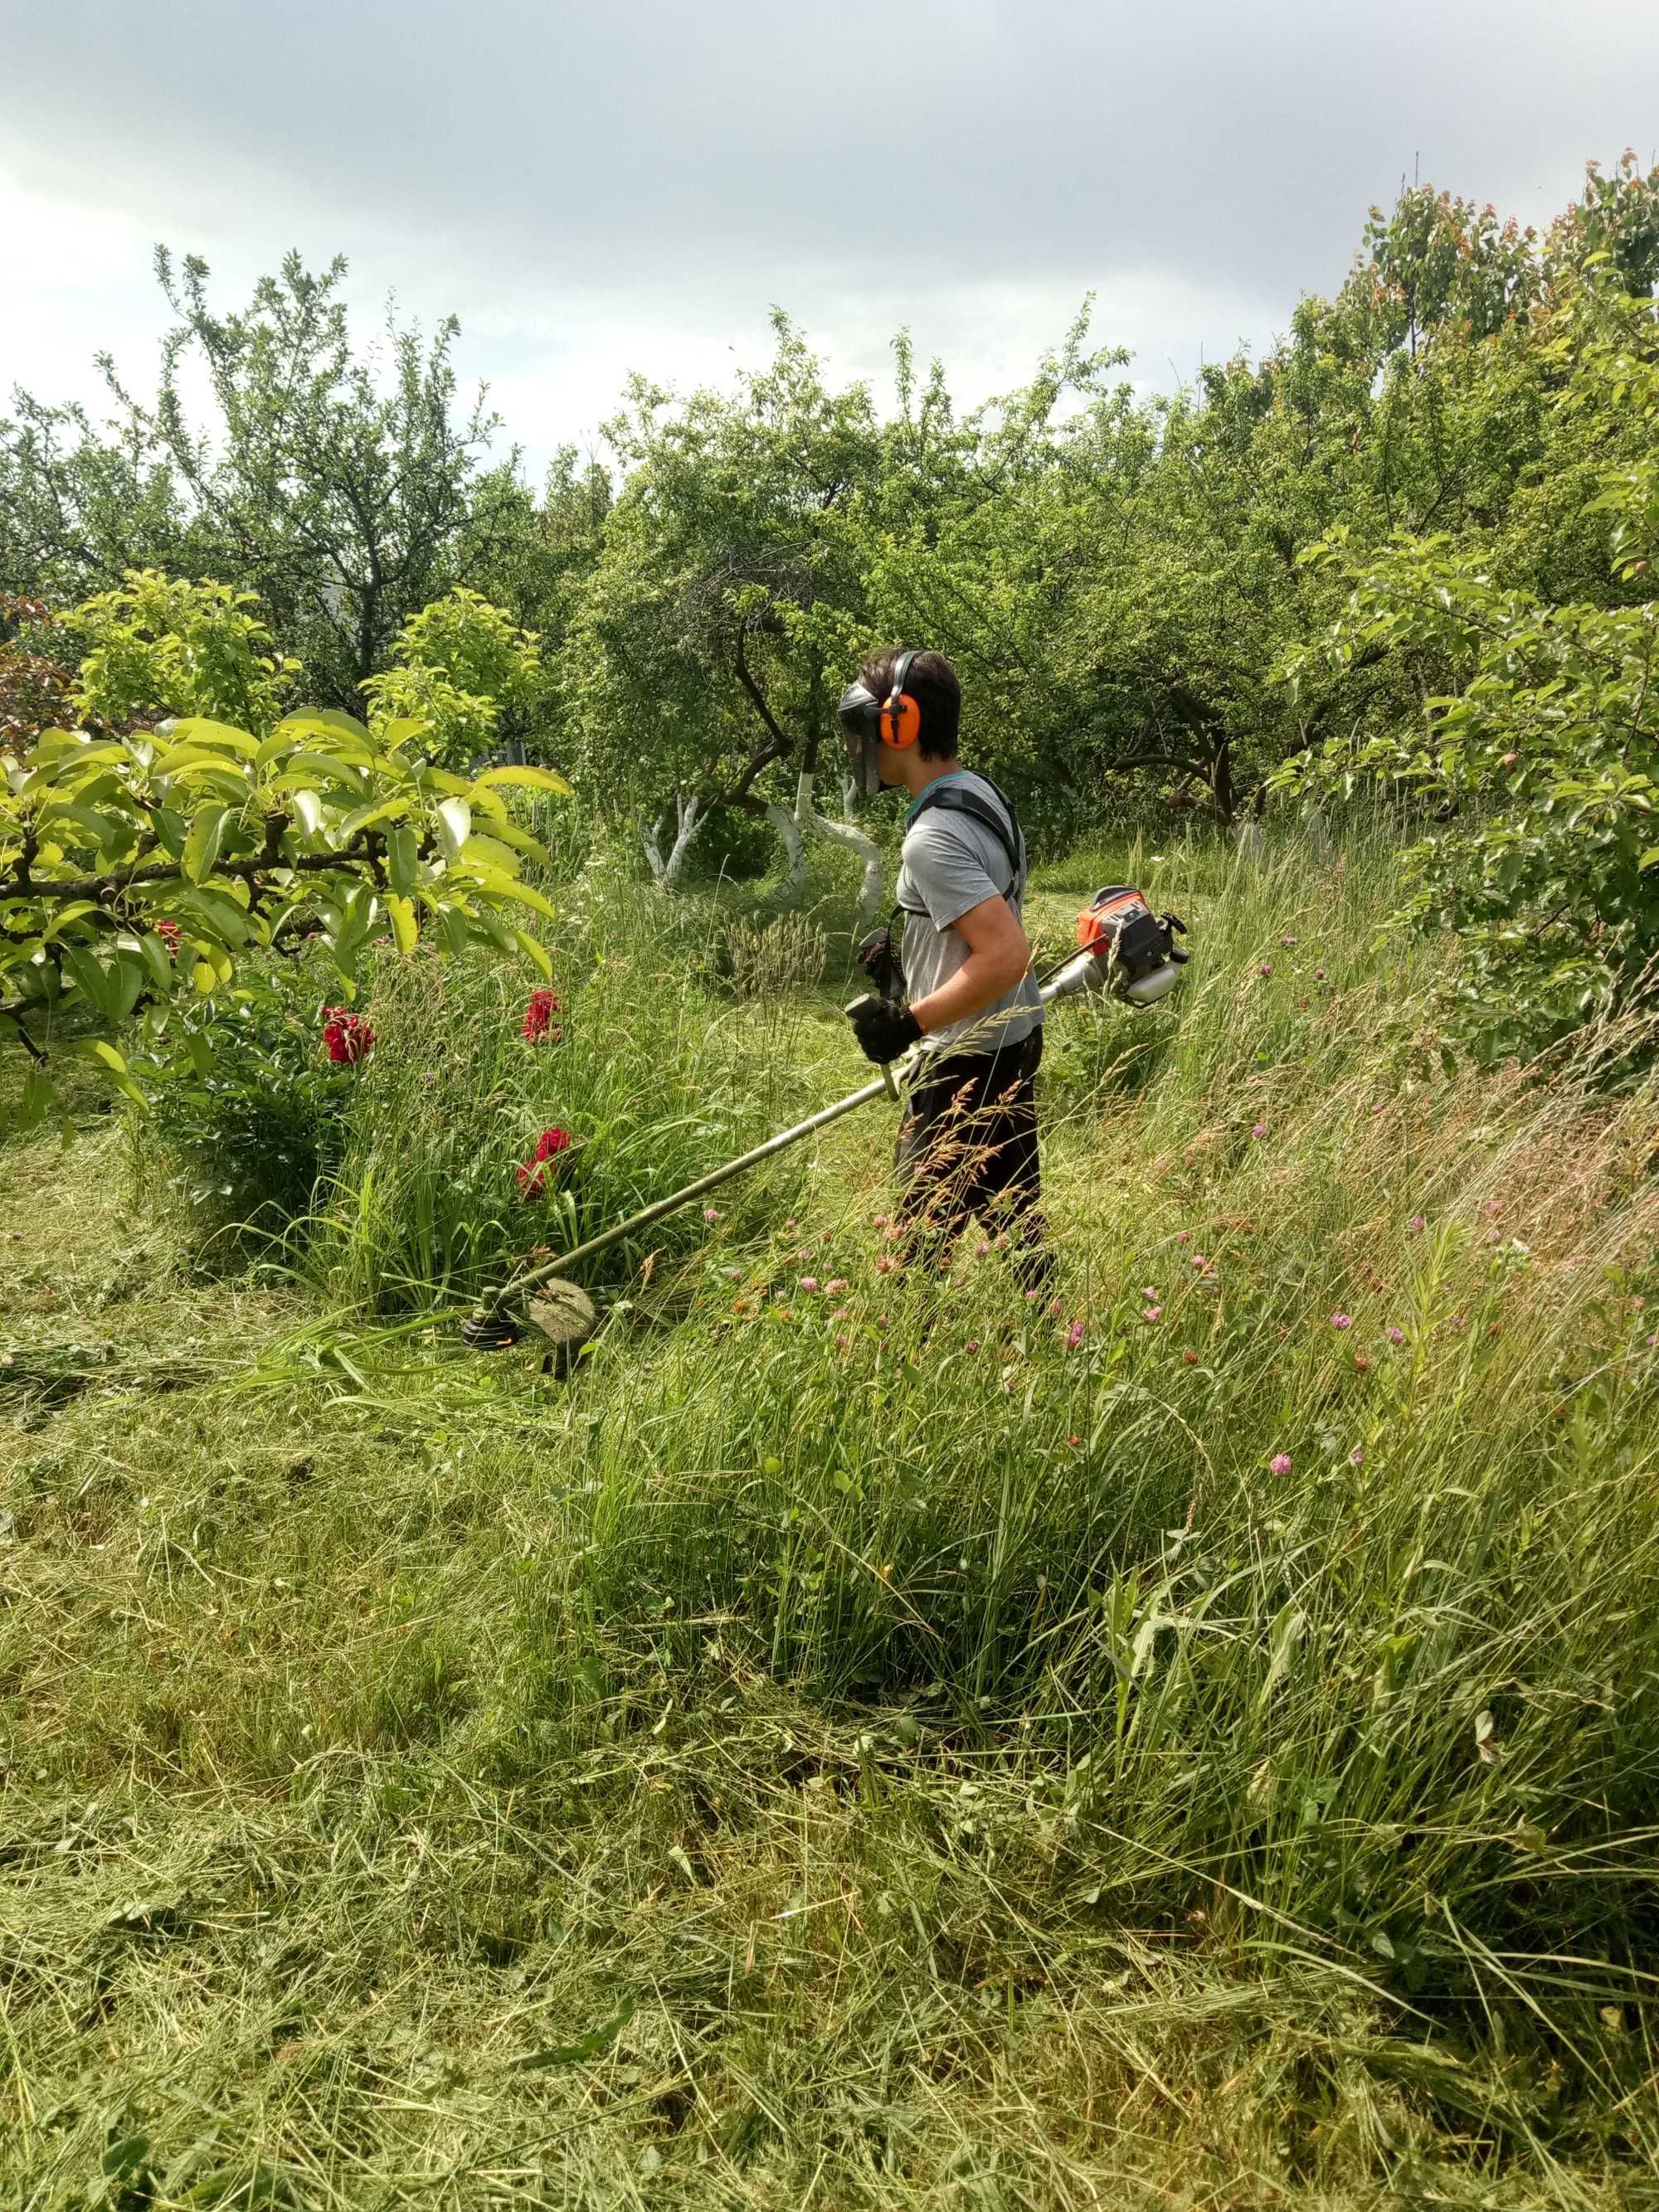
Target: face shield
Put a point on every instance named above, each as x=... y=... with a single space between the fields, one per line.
x=860 y=726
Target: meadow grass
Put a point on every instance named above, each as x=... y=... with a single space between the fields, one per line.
x=900 y=1745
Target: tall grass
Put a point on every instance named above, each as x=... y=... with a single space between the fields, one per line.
x=901 y=1744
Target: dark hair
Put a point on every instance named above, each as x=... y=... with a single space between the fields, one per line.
x=932 y=684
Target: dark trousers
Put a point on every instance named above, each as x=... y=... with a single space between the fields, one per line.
x=967 y=1146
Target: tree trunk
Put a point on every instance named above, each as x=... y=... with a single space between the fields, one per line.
x=689 y=819
x=793 y=885
x=809 y=821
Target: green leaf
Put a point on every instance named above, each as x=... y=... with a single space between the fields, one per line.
x=533 y=949
x=402 y=859
x=309 y=809
x=594 y=2044
x=202 y=846
x=401 y=914
x=96 y=1048
x=532 y=779
x=454 y=825
x=199 y=730
x=1649 y=859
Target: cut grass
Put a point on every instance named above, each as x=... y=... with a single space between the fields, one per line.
x=769 y=1769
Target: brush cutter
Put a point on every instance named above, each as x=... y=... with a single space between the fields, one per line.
x=1125 y=951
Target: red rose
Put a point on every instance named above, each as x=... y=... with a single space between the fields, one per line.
x=532 y=1176
x=347 y=1037
x=538 y=1021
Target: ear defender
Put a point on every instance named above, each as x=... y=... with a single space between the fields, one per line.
x=901 y=718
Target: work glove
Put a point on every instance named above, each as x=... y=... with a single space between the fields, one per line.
x=883 y=1029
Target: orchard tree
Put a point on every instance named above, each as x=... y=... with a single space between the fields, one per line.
x=159 y=648
x=149 y=870
x=347 y=493
x=465 y=672
x=703 y=670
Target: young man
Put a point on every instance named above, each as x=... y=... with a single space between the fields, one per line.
x=967 y=1143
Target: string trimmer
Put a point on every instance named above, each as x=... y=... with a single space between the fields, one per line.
x=1125 y=951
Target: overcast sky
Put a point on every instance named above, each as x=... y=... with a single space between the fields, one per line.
x=598 y=185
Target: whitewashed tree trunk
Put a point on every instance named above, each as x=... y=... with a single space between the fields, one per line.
x=688 y=820
x=793 y=886
x=809 y=821
x=847 y=833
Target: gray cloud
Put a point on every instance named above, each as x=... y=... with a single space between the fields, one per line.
x=581 y=180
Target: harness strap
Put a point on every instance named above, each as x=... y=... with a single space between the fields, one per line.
x=1008 y=834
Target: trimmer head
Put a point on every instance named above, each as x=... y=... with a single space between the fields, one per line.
x=566 y=1316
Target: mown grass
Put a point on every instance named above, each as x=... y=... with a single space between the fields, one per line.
x=905 y=1746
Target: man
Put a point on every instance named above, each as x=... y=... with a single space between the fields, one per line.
x=967 y=1143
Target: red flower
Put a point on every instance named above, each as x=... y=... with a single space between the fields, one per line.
x=532 y=1176
x=538 y=1018
x=172 y=935
x=347 y=1037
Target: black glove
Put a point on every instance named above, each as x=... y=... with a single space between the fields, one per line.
x=884 y=1030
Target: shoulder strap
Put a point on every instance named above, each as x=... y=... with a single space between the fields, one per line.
x=1008 y=834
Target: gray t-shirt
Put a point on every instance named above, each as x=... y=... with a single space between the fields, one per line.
x=952 y=863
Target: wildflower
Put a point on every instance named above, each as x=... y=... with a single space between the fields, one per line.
x=1377 y=1107
x=973 y=1343
x=1183 y=1236
x=1319 y=975
x=1509 y=759
x=1056 y=1307
x=1201 y=1262
x=809 y=1282
x=1341 y=1320
x=1287 y=939
x=1414 y=1226
x=828 y=1236
x=711 y=1214
x=740 y=1305
x=549 y=1146
x=1031 y=1297
x=1074 y=1440
x=347 y=1037
x=1151 y=1313
x=1492 y=1208
x=537 y=1024
x=734 y=1274
x=840 y=1338
x=981 y=1248
x=790 y=1223
x=835 y=1286
x=881 y=1321
x=1258 y=1131
x=1267 y=967
x=1356 y=1456
x=881 y=1220
x=1361 y=1365
x=1395 y=1335
x=1189 y=1359
x=1074 y=1335
x=1279 y=1463
x=172 y=935
x=883 y=1267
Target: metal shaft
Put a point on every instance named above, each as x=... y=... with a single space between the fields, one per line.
x=1076 y=976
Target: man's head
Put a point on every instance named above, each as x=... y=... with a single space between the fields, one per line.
x=905 y=703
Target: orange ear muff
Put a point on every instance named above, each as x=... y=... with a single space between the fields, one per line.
x=900 y=724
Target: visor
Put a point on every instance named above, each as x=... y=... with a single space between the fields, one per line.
x=860 y=723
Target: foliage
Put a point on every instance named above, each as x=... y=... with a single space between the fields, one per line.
x=161 y=649
x=135 y=869
x=243 y=1113
x=969 y=1764
x=465 y=672
x=1542 y=764
x=35 y=681
x=346 y=492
